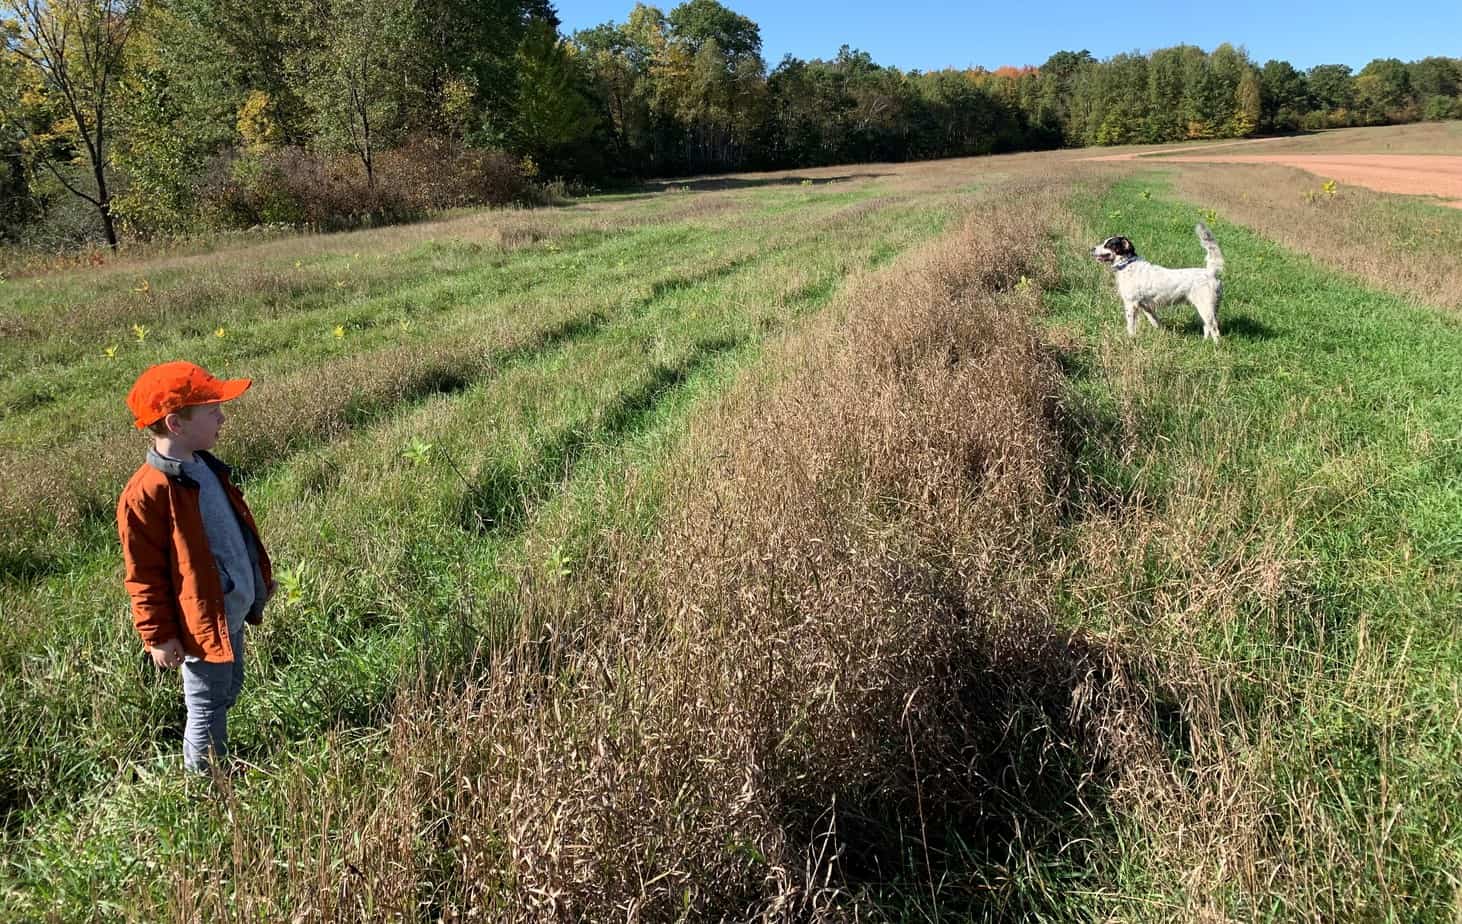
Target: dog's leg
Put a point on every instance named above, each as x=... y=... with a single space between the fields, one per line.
x=1207 y=305
x=1131 y=318
x=1147 y=310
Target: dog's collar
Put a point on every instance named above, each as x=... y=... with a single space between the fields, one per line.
x=1123 y=264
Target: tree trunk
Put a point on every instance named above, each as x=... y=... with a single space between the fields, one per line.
x=103 y=196
x=368 y=155
x=104 y=206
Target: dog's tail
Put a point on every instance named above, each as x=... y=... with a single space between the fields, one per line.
x=1210 y=247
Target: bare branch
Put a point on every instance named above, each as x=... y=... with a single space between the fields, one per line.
x=49 y=165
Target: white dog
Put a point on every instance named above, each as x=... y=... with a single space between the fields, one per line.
x=1145 y=286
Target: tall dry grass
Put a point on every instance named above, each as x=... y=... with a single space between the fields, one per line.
x=1389 y=242
x=830 y=676
x=1413 y=138
x=835 y=682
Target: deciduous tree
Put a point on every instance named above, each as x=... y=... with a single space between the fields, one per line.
x=1284 y=96
x=1383 y=90
x=1248 y=105
x=356 y=73
x=74 y=50
x=1332 y=86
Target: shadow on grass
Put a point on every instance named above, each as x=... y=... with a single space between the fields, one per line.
x=1095 y=440
x=1236 y=326
x=23 y=565
x=994 y=799
x=717 y=183
x=994 y=795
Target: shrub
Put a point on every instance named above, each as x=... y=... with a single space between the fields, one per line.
x=432 y=172
x=1440 y=108
x=296 y=186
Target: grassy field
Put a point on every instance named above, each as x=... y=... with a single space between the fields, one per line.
x=1288 y=530
x=794 y=546
x=1396 y=243
x=1417 y=138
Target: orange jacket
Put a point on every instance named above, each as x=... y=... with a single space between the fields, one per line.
x=170 y=571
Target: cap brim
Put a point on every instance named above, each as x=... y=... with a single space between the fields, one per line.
x=232 y=388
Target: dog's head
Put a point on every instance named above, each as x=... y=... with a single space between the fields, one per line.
x=1113 y=249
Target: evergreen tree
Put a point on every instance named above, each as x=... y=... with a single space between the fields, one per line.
x=551 y=112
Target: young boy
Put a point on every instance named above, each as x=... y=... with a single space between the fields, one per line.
x=195 y=568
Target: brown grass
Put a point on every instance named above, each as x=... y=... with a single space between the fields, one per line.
x=1415 y=138
x=658 y=202
x=1393 y=245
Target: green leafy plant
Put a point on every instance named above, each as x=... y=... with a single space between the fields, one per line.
x=418 y=451
x=289 y=585
x=560 y=563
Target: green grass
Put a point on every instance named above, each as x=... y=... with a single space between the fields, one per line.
x=1275 y=522
x=596 y=349
x=1320 y=440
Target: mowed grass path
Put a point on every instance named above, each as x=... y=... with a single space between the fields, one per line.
x=1285 y=529
x=480 y=401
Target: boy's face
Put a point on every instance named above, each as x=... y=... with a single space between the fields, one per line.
x=198 y=430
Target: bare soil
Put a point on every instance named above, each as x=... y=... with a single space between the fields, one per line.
x=1408 y=174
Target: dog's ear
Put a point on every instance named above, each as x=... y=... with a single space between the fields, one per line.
x=1122 y=246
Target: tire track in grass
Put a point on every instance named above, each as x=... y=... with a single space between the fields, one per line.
x=517 y=271
x=426 y=300
x=26 y=399
x=305 y=691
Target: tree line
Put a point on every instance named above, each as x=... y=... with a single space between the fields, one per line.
x=149 y=117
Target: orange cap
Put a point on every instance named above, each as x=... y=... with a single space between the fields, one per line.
x=165 y=388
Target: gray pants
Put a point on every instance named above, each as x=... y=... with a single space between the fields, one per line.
x=209 y=690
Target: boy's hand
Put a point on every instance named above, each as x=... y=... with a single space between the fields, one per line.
x=167 y=655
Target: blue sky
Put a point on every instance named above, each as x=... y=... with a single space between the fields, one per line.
x=929 y=35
